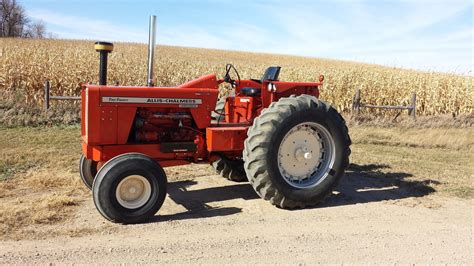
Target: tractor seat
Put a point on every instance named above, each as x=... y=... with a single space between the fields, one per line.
x=247 y=91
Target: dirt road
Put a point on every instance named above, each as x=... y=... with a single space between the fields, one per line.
x=211 y=220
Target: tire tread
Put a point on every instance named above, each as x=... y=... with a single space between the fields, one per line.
x=258 y=138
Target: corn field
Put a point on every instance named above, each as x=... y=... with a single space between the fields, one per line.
x=26 y=64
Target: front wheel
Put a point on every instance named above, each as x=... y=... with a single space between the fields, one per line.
x=296 y=151
x=130 y=188
x=87 y=171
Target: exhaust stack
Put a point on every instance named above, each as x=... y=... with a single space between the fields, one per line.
x=104 y=48
x=151 y=50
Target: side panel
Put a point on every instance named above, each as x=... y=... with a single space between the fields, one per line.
x=90 y=123
x=83 y=112
x=226 y=138
x=125 y=116
x=108 y=125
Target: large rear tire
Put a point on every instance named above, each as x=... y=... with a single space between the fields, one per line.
x=296 y=151
x=130 y=188
x=230 y=169
x=87 y=171
x=218 y=113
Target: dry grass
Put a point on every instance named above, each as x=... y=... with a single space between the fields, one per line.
x=40 y=189
x=41 y=194
x=39 y=184
x=446 y=138
x=67 y=63
x=441 y=158
x=17 y=113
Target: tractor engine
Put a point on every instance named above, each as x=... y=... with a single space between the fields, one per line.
x=163 y=125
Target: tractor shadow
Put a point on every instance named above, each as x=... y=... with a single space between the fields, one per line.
x=196 y=201
x=375 y=182
x=361 y=184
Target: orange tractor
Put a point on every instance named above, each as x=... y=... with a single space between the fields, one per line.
x=292 y=147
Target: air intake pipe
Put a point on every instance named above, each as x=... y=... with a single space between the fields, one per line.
x=104 y=48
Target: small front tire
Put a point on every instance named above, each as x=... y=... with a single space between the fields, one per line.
x=87 y=171
x=129 y=189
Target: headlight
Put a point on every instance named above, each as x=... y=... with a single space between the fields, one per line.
x=271 y=87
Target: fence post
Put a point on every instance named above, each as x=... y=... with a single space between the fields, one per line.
x=46 y=95
x=413 y=105
x=356 y=102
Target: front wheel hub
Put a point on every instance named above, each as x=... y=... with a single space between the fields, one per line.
x=133 y=191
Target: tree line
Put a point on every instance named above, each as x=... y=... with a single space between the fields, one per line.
x=14 y=22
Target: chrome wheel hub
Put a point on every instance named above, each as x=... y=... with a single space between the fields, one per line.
x=306 y=154
x=302 y=154
x=133 y=191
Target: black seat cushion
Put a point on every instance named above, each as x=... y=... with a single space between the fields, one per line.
x=250 y=91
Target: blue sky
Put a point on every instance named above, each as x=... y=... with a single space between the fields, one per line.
x=427 y=35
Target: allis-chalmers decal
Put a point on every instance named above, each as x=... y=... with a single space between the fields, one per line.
x=190 y=102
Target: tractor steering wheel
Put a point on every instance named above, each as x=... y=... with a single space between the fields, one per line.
x=228 y=78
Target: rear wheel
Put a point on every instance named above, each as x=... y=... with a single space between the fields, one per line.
x=218 y=115
x=230 y=169
x=129 y=188
x=296 y=151
x=87 y=171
